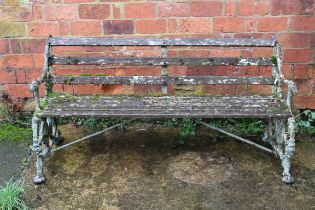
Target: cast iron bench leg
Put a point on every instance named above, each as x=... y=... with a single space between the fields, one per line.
x=288 y=152
x=38 y=135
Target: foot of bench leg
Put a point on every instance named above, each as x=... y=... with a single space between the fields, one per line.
x=288 y=153
x=38 y=135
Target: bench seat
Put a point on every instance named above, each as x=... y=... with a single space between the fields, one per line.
x=165 y=106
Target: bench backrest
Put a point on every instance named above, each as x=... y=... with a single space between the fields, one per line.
x=163 y=61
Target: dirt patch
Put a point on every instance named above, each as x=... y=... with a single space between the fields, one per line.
x=138 y=169
x=203 y=168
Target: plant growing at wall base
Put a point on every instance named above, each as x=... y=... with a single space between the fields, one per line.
x=306 y=122
x=187 y=126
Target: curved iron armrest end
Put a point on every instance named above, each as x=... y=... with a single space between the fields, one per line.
x=292 y=90
x=34 y=88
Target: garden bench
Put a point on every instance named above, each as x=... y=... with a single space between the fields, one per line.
x=275 y=108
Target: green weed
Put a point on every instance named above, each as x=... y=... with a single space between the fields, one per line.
x=14 y=133
x=306 y=122
x=10 y=196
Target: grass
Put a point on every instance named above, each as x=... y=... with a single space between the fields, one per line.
x=10 y=196
x=14 y=133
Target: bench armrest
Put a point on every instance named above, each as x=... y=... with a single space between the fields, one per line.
x=34 y=88
x=292 y=89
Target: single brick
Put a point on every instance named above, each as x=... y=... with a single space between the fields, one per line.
x=276 y=7
x=272 y=24
x=304 y=102
x=312 y=40
x=94 y=11
x=43 y=29
x=311 y=72
x=297 y=7
x=300 y=71
x=206 y=8
x=287 y=71
x=18 y=61
x=251 y=24
x=77 y=1
x=151 y=26
x=194 y=25
x=230 y=8
x=304 y=87
x=139 y=70
x=172 y=25
x=37 y=12
x=18 y=90
x=7 y=77
x=170 y=9
x=116 y=11
x=253 y=7
x=302 y=23
x=64 y=28
x=4 y=46
x=118 y=27
x=15 y=45
x=10 y=2
x=228 y=24
x=12 y=29
x=61 y=12
x=20 y=76
x=16 y=13
x=298 y=55
x=261 y=51
x=139 y=10
x=85 y=28
x=260 y=89
x=33 y=73
x=38 y=60
x=33 y=45
x=293 y=40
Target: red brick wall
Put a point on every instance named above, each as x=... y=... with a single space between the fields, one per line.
x=25 y=24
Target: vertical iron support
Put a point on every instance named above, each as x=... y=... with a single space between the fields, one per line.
x=289 y=149
x=164 y=69
x=38 y=134
x=46 y=74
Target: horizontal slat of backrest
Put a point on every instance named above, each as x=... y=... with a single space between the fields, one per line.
x=89 y=41
x=156 y=61
x=148 y=80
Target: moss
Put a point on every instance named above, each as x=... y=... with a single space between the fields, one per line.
x=85 y=74
x=100 y=74
x=95 y=96
x=155 y=94
x=14 y=133
x=199 y=90
x=274 y=60
x=68 y=79
x=43 y=103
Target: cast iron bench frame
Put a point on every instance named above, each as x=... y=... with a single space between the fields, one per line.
x=280 y=135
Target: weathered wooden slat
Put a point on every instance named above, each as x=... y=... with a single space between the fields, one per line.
x=89 y=41
x=166 y=106
x=159 y=114
x=149 y=80
x=160 y=102
x=158 y=61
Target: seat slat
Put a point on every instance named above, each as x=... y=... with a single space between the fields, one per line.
x=165 y=106
x=149 y=80
x=156 y=61
x=90 y=41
